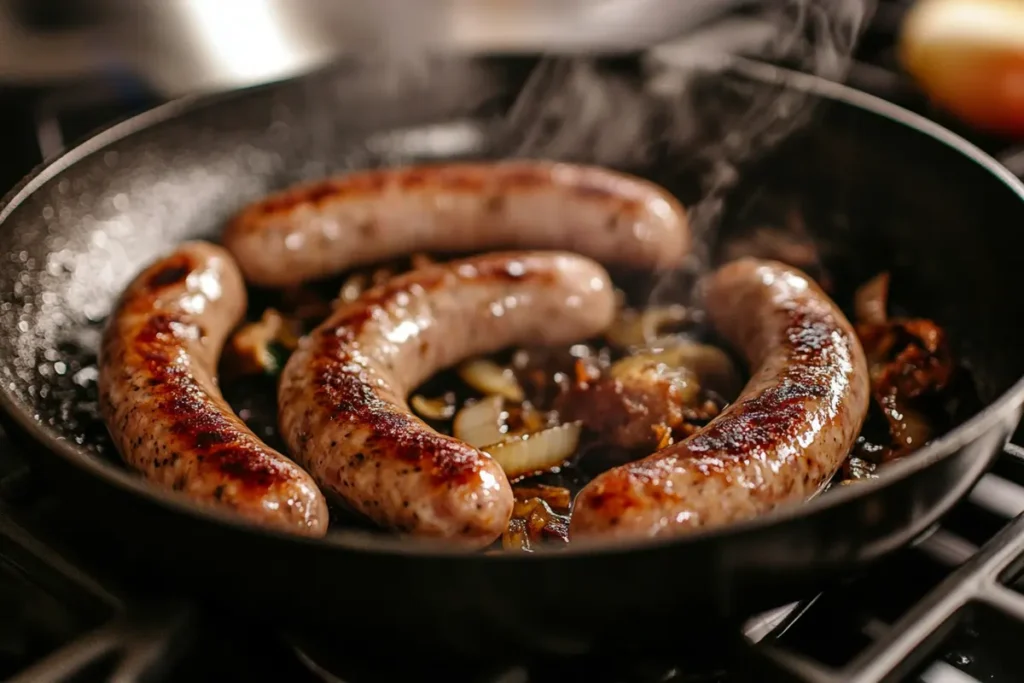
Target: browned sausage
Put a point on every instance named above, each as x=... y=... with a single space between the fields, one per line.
x=161 y=403
x=343 y=392
x=779 y=442
x=320 y=229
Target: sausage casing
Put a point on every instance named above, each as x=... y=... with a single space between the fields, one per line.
x=779 y=442
x=343 y=392
x=319 y=229
x=163 y=408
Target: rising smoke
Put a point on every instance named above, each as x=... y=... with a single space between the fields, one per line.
x=572 y=108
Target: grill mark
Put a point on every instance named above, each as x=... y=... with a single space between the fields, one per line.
x=778 y=413
x=345 y=390
x=346 y=394
x=747 y=430
x=212 y=437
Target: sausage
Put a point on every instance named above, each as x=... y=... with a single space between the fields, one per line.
x=315 y=230
x=161 y=403
x=342 y=395
x=780 y=441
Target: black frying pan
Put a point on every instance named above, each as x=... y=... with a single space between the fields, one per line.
x=881 y=188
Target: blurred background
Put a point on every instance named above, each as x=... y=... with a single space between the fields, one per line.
x=69 y=66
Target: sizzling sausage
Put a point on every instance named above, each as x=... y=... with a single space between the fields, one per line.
x=316 y=230
x=162 y=406
x=780 y=441
x=343 y=392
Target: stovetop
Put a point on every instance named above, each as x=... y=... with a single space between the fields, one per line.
x=949 y=609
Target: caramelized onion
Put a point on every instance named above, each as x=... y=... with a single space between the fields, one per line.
x=516 y=536
x=480 y=424
x=489 y=378
x=633 y=328
x=871 y=302
x=558 y=497
x=442 y=408
x=710 y=366
x=252 y=347
x=537 y=452
x=533 y=521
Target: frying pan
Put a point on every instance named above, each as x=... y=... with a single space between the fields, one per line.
x=880 y=188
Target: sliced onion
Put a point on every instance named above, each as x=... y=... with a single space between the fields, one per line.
x=442 y=408
x=538 y=452
x=871 y=301
x=541 y=522
x=655 y=369
x=489 y=378
x=711 y=366
x=557 y=497
x=251 y=350
x=637 y=328
x=516 y=536
x=480 y=424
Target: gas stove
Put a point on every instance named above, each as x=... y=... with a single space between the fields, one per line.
x=948 y=609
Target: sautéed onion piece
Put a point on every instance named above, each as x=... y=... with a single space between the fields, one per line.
x=442 y=408
x=558 y=497
x=910 y=364
x=481 y=423
x=261 y=347
x=488 y=377
x=635 y=329
x=521 y=455
x=556 y=417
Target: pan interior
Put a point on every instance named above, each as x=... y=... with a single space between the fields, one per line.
x=876 y=194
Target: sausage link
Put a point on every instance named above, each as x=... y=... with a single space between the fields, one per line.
x=779 y=442
x=162 y=406
x=343 y=392
x=315 y=230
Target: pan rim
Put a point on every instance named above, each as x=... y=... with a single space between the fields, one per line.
x=375 y=543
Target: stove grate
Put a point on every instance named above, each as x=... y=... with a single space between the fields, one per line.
x=915 y=617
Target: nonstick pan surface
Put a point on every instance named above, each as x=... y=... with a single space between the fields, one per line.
x=879 y=187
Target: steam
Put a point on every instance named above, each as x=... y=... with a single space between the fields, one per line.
x=695 y=98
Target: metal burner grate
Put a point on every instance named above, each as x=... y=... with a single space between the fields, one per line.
x=935 y=613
